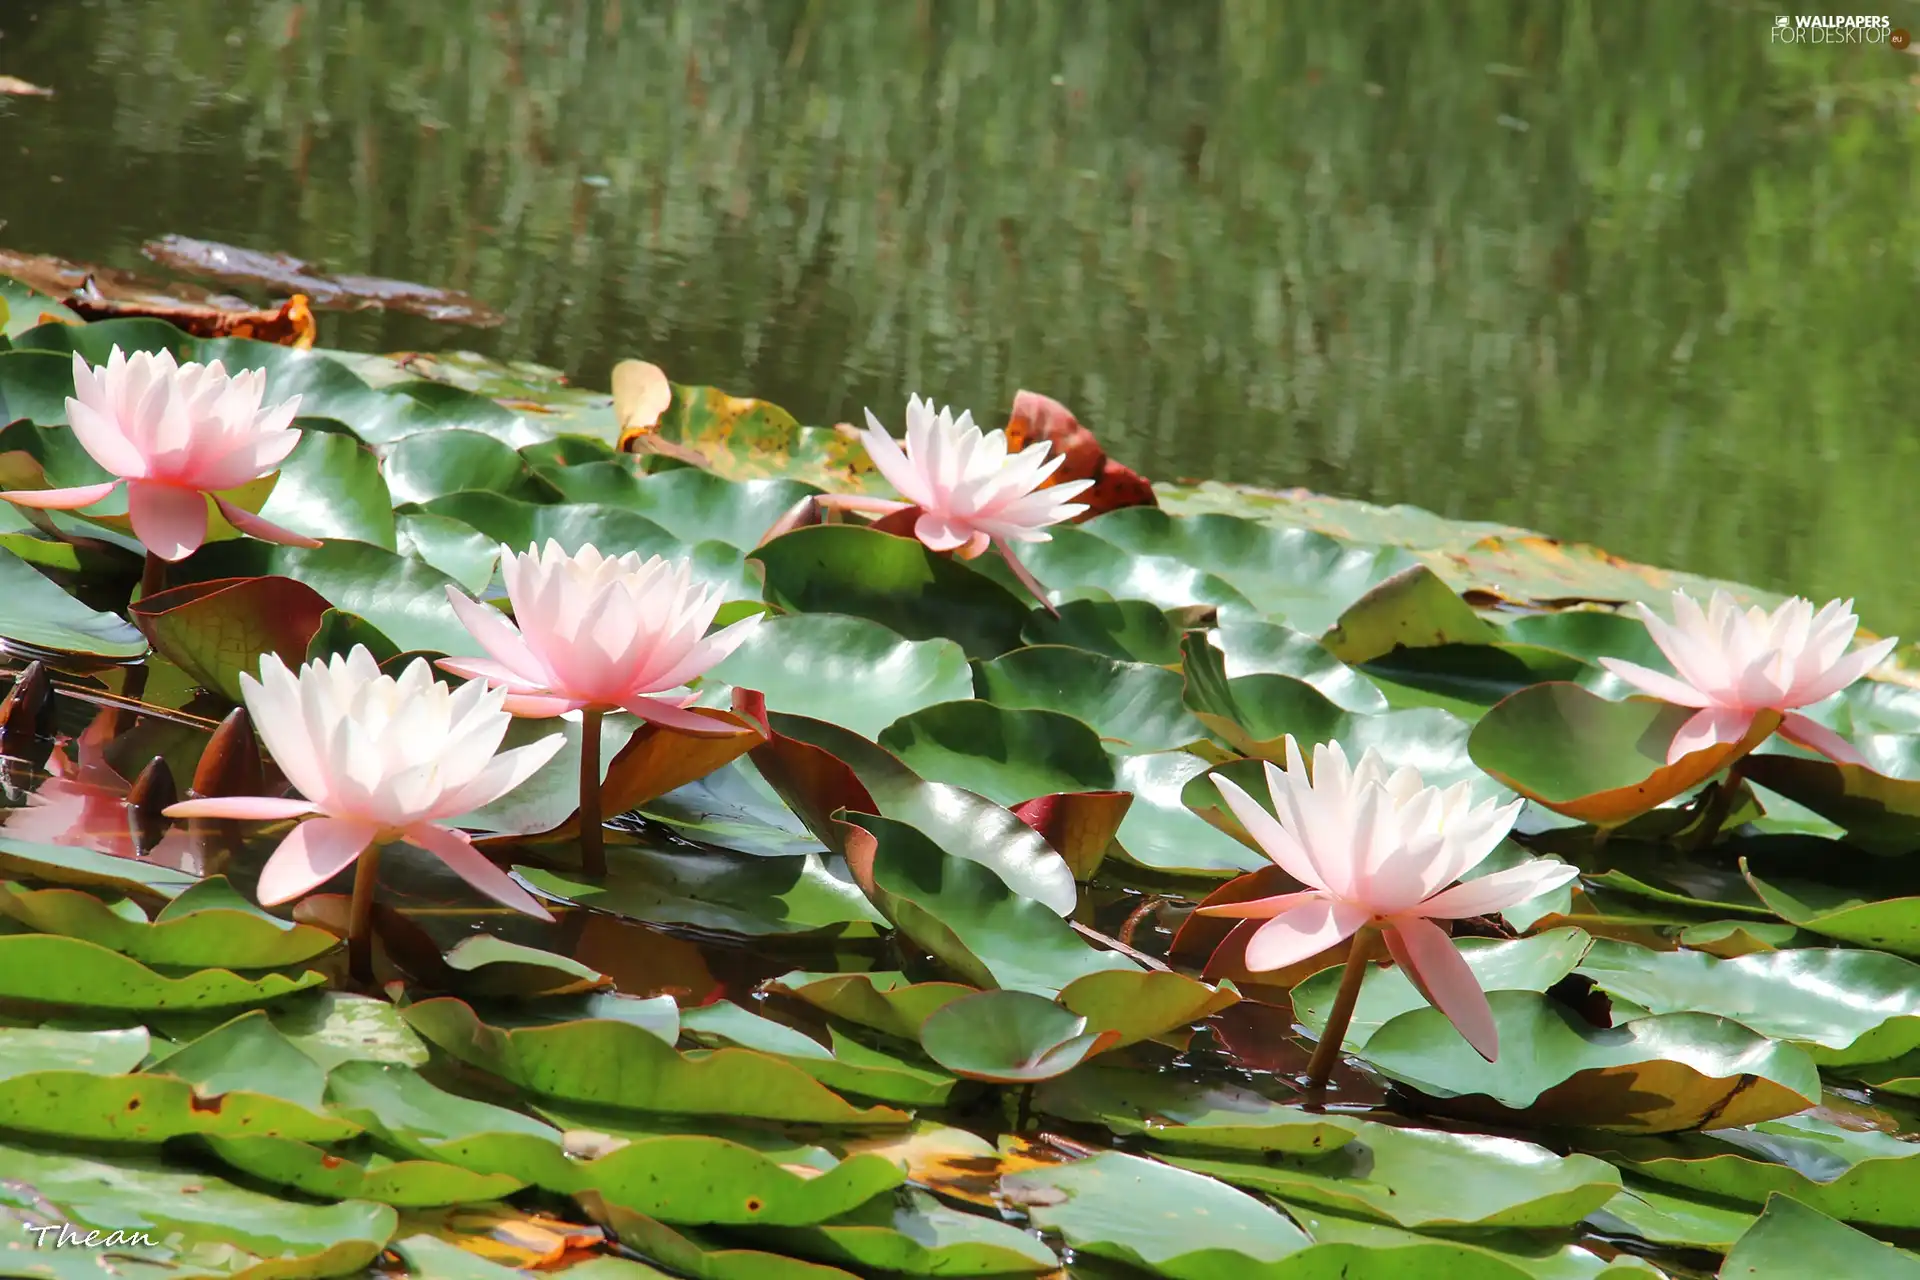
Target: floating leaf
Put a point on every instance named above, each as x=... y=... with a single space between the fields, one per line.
x=209 y=925
x=1844 y=1007
x=1010 y=1037
x=1188 y=1114
x=1429 y=1179
x=56 y=970
x=1413 y=609
x=1791 y=1240
x=1008 y=756
x=1599 y=761
x=1655 y=1074
x=892 y=581
x=1142 y=1212
x=609 y=1063
x=217 y=629
x=966 y=915
x=919 y=1237
x=886 y=1002
x=41 y=614
x=845 y=671
x=1133 y=705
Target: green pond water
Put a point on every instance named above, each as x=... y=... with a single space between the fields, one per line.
x=1625 y=272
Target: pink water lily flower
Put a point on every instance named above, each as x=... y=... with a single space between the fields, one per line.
x=967 y=490
x=1379 y=850
x=598 y=632
x=1734 y=662
x=377 y=759
x=175 y=435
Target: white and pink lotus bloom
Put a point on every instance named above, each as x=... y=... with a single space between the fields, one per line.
x=1734 y=663
x=961 y=490
x=966 y=490
x=599 y=633
x=377 y=759
x=1379 y=850
x=176 y=435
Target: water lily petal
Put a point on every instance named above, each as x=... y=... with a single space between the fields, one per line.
x=266 y=530
x=1259 y=908
x=313 y=853
x=170 y=522
x=669 y=716
x=1274 y=839
x=250 y=808
x=1445 y=979
x=1709 y=727
x=1657 y=683
x=1815 y=736
x=1498 y=890
x=82 y=495
x=1303 y=932
x=467 y=862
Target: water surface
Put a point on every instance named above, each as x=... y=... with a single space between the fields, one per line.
x=1626 y=272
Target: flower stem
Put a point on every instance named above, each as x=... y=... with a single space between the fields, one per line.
x=1327 y=1052
x=593 y=843
x=360 y=921
x=153 y=576
x=1719 y=805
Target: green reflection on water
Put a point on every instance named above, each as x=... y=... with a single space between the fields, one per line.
x=1627 y=272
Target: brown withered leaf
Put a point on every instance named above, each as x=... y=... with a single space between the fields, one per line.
x=959 y=1164
x=1038 y=417
x=284 y=273
x=641 y=395
x=290 y=324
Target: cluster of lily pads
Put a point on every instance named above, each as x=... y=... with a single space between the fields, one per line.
x=908 y=944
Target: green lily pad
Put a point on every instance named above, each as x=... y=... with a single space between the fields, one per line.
x=1856 y=1175
x=209 y=925
x=1255 y=714
x=609 y=1063
x=1008 y=756
x=886 y=1002
x=690 y=504
x=1076 y=564
x=966 y=915
x=88 y=869
x=1851 y=912
x=1128 y=630
x=1131 y=704
x=1413 y=609
x=1791 y=1240
x=734 y=808
x=1524 y=964
x=319 y=1172
x=819 y=768
x=240 y=1079
x=214 y=631
x=1658 y=1215
x=454 y=547
x=916 y=1235
x=1138 y=1005
x=1009 y=1037
x=893 y=581
x=1255 y=647
x=1142 y=1213
x=1468 y=679
x=51 y=969
x=494 y=968
x=192 y=1216
x=41 y=614
x=1843 y=1007
x=845 y=671
x=1162 y=832
x=1878 y=804
x=700 y=1255
x=331 y=487
x=1183 y=1113
x=846 y=1065
x=1599 y=761
x=404 y=597
x=738 y=893
x=1429 y=1179
x=431 y=464
x=1655 y=1074
x=1295 y=576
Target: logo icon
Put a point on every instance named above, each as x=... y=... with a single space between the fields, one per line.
x=1780 y=21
